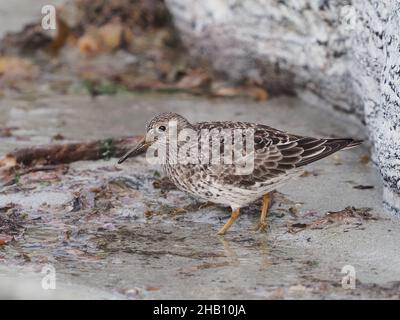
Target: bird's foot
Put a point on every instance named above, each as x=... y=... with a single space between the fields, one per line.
x=221 y=232
x=177 y=211
x=262 y=226
x=231 y=220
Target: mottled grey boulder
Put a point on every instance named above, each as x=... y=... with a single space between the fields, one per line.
x=344 y=54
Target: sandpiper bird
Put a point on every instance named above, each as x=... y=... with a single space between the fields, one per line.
x=277 y=157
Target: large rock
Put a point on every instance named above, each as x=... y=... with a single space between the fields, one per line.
x=343 y=54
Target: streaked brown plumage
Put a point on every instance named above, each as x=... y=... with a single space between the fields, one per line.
x=278 y=157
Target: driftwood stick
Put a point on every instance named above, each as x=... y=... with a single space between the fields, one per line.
x=53 y=154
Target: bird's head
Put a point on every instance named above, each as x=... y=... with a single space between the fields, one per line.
x=158 y=127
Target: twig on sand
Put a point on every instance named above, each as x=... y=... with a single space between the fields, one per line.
x=48 y=157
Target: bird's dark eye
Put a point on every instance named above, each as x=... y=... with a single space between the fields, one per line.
x=162 y=128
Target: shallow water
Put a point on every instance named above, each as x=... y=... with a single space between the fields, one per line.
x=129 y=241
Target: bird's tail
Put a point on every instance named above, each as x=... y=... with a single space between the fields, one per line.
x=316 y=149
x=352 y=143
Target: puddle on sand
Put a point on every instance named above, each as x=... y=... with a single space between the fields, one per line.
x=159 y=252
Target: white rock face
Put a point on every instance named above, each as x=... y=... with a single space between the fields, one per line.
x=345 y=53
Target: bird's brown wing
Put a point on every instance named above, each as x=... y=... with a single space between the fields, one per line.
x=276 y=153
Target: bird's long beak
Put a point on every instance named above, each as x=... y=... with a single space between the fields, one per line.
x=138 y=149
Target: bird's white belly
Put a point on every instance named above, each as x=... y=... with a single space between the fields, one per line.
x=239 y=197
x=234 y=196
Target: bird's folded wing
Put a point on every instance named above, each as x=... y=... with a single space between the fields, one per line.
x=276 y=153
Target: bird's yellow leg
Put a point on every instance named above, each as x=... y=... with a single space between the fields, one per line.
x=264 y=212
x=234 y=216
